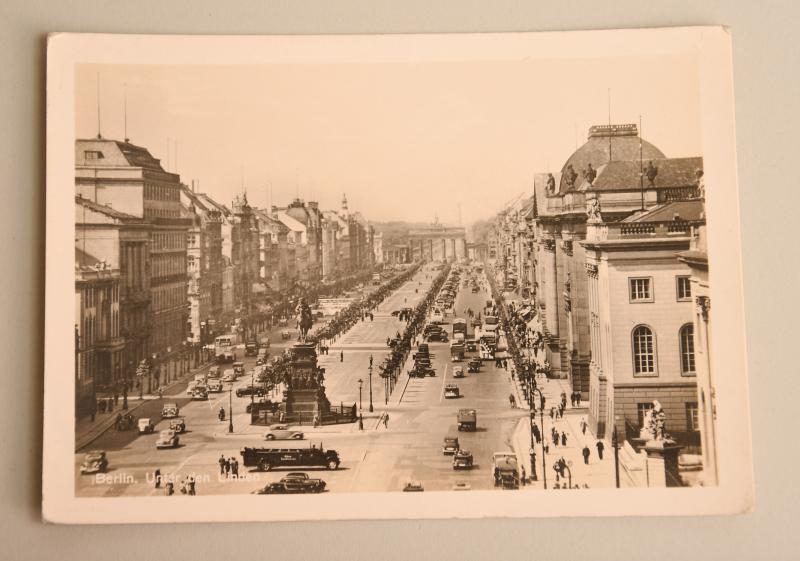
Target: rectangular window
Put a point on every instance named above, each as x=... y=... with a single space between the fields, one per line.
x=640 y=289
x=684 y=288
x=692 y=418
x=92 y=154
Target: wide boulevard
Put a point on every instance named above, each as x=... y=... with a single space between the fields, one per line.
x=384 y=456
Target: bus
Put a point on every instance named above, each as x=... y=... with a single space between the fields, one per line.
x=459 y=326
x=225 y=347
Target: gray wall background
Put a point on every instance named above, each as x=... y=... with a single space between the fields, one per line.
x=766 y=66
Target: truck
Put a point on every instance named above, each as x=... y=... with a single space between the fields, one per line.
x=506 y=470
x=467 y=420
x=225 y=347
x=457 y=351
x=266 y=459
x=490 y=323
x=459 y=327
x=251 y=348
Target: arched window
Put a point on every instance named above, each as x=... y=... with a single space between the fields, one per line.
x=644 y=350
x=686 y=341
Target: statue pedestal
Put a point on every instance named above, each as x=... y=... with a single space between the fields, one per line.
x=662 y=463
x=305 y=398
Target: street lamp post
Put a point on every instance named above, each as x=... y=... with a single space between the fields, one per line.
x=615 y=445
x=541 y=421
x=370 y=389
x=360 y=384
x=532 y=450
x=230 y=409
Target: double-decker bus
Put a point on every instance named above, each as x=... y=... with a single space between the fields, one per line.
x=225 y=347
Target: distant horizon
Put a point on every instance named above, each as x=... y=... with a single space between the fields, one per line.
x=428 y=138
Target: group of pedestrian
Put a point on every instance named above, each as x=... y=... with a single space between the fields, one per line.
x=575 y=399
x=558 y=437
x=228 y=467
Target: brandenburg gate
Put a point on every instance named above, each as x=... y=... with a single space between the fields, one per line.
x=438 y=243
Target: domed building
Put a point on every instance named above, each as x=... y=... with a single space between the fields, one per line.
x=613 y=300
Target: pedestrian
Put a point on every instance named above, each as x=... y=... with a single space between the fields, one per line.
x=511 y=400
x=555 y=438
x=386 y=421
x=584 y=424
x=183 y=487
x=563 y=439
x=235 y=467
x=191 y=485
x=360 y=421
x=600 y=448
x=586 y=453
x=522 y=475
x=341 y=356
x=157 y=478
x=572 y=399
x=552 y=413
x=316 y=420
x=578 y=400
x=170 y=489
x=227 y=467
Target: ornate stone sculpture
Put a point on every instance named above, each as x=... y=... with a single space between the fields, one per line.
x=593 y=210
x=654 y=424
x=570 y=176
x=590 y=174
x=304 y=319
x=551 y=184
x=568 y=283
x=701 y=183
x=651 y=172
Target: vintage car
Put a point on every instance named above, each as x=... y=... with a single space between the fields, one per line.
x=474 y=365
x=238 y=368
x=214 y=372
x=229 y=376
x=451 y=391
x=282 y=432
x=94 y=462
x=458 y=372
x=250 y=390
x=471 y=345
x=200 y=394
x=145 y=425
x=450 y=445
x=200 y=378
x=167 y=439
x=300 y=482
x=440 y=336
x=461 y=486
x=190 y=387
x=276 y=488
x=169 y=411
x=214 y=385
x=413 y=487
x=178 y=425
x=462 y=460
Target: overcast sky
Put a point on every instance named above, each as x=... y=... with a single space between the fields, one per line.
x=403 y=141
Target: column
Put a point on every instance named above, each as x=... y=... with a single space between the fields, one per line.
x=551 y=288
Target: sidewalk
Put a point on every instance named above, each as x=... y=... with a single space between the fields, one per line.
x=87 y=431
x=596 y=474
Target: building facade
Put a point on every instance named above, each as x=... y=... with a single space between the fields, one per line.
x=129 y=179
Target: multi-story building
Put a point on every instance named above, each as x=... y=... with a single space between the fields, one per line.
x=98 y=344
x=273 y=252
x=121 y=241
x=245 y=255
x=377 y=247
x=204 y=265
x=588 y=231
x=129 y=179
x=305 y=221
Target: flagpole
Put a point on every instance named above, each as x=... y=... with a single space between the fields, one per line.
x=641 y=164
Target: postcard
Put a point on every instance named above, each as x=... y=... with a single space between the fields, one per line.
x=398 y=276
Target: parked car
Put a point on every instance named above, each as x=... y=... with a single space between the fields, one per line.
x=167 y=439
x=146 y=426
x=282 y=432
x=413 y=487
x=94 y=462
x=169 y=411
x=178 y=425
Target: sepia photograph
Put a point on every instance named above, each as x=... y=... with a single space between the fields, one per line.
x=449 y=275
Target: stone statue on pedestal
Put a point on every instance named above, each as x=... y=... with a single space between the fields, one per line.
x=551 y=184
x=304 y=319
x=593 y=209
x=654 y=424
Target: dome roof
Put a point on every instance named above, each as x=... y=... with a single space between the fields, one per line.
x=607 y=143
